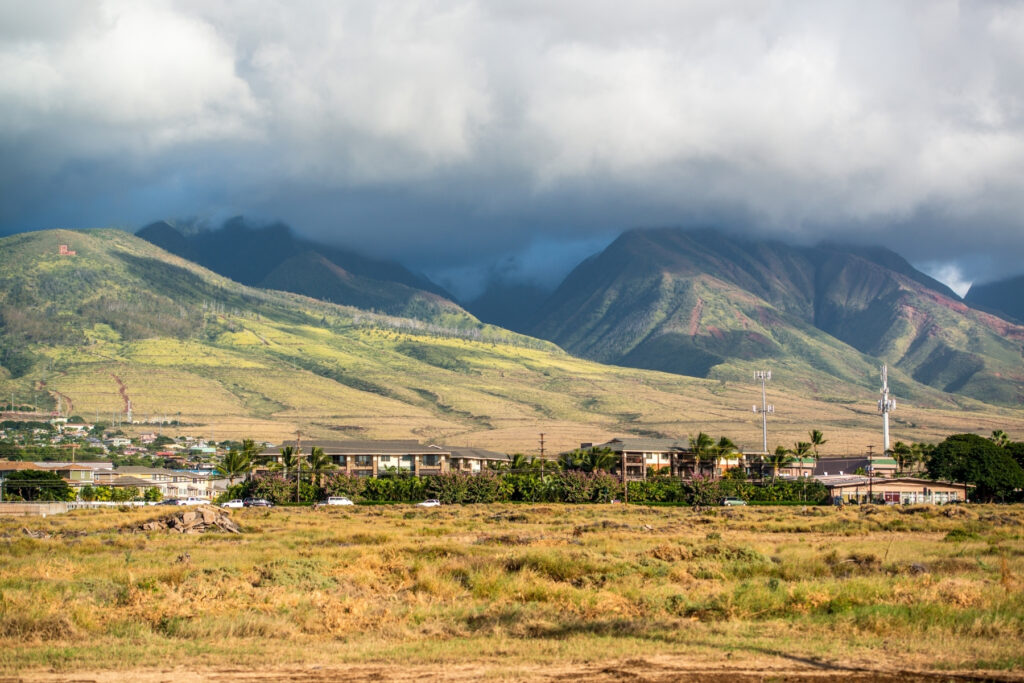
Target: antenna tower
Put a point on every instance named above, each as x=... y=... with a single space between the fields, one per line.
x=885 y=406
x=764 y=376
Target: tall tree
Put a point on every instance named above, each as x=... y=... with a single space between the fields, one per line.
x=801 y=449
x=319 y=464
x=518 y=463
x=235 y=464
x=1000 y=438
x=921 y=454
x=780 y=458
x=903 y=454
x=702 y=447
x=289 y=460
x=598 y=460
x=974 y=460
x=36 y=485
x=573 y=460
x=817 y=441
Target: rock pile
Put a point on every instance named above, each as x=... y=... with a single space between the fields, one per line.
x=193 y=521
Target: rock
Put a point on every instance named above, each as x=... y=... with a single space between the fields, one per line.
x=918 y=568
x=34 y=534
x=193 y=522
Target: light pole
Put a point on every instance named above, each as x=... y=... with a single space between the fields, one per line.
x=764 y=376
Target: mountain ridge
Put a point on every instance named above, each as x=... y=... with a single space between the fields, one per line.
x=655 y=295
x=255 y=256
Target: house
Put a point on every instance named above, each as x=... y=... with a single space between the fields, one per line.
x=852 y=488
x=75 y=474
x=475 y=460
x=171 y=483
x=75 y=428
x=641 y=455
x=373 y=458
x=879 y=466
x=9 y=466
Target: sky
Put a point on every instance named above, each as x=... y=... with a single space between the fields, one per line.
x=467 y=138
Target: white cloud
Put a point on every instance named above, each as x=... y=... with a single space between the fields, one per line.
x=806 y=116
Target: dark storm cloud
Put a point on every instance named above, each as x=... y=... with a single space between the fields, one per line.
x=458 y=135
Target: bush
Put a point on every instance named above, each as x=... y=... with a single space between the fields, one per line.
x=340 y=484
x=279 y=490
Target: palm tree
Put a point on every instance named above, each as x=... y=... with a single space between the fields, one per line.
x=801 y=449
x=902 y=453
x=724 y=448
x=319 y=464
x=701 y=447
x=921 y=452
x=289 y=460
x=518 y=463
x=235 y=464
x=817 y=440
x=573 y=460
x=1000 y=438
x=545 y=465
x=780 y=458
x=598 y=460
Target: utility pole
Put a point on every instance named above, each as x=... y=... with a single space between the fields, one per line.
x=542 y=445
x=871 y=479
x=885 y=406
x=764 y=376
x=625 y=481
x=298 y=462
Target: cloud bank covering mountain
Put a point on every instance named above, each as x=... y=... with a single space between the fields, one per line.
x=456 y=134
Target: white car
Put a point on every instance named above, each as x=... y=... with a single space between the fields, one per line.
x=338 y=500
x=193 y=501
x=236 y=503
x=431 y=503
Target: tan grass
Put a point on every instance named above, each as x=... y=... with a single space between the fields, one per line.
x=461 y=584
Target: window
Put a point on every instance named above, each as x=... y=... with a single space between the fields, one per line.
x=429 y=460
x=341 y=460
x=385 y=458
x=364 y=461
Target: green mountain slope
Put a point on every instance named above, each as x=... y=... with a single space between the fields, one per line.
x=124 y=324
x=272 y=257
x=706 y=304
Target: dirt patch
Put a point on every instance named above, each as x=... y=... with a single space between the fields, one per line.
x=656 y=669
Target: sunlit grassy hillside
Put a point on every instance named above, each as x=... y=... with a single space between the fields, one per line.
x=124 y=320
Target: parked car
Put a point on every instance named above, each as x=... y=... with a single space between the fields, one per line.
x=171 y=501
x=338 y=500
x=733 y=501
x=430 y=503
x=257 y=503
x=192 y=500
x=234 y=503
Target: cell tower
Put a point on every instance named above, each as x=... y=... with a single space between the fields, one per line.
x=764 y=376
x=129 y=411
x=885 y=406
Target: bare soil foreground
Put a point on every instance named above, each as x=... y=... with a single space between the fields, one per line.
x=516 y=592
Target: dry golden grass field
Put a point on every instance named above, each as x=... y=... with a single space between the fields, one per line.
x=527 y=592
